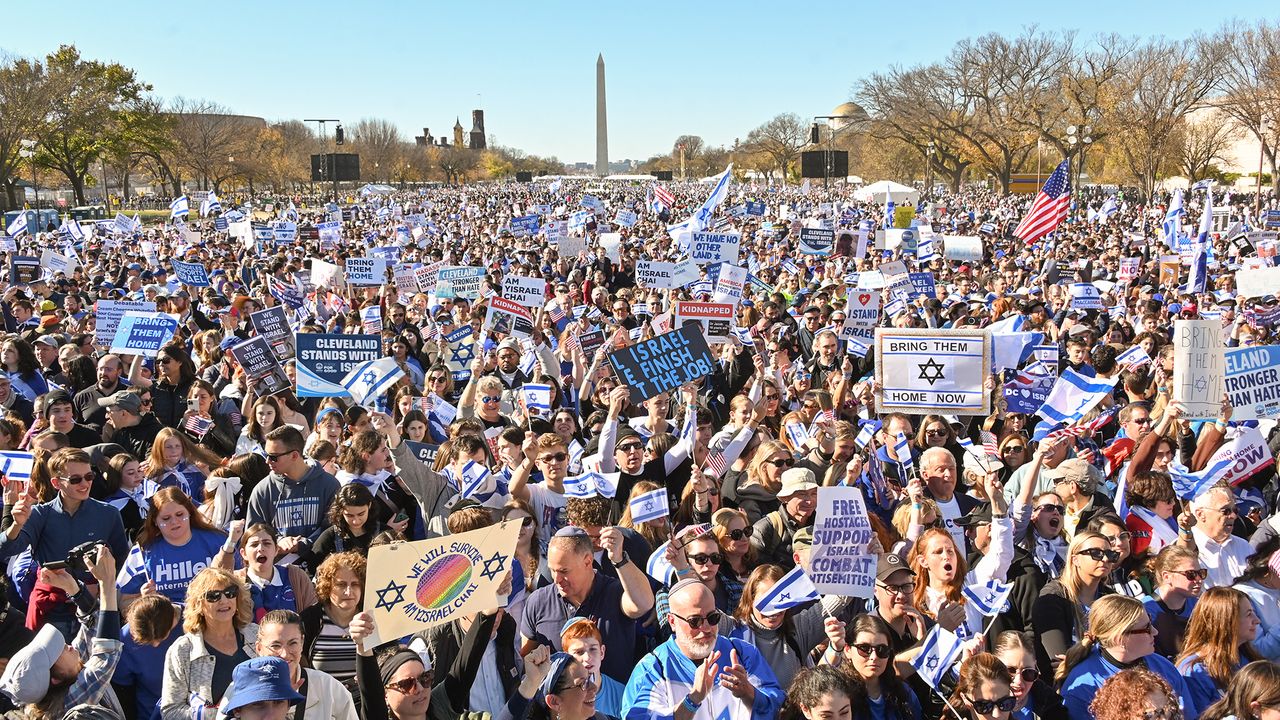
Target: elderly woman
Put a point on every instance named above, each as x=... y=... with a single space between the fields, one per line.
x=219 y=635
x=326 y=635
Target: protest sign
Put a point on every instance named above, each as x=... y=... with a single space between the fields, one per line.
x=56 y=263
x=817 y=241
x=1129 y=267
x=24 y=269
x=143 y=333
x=841 y=563
x=1247 y=451
x=1026 y=394
x=1170 y=267
x=527 y=291
x=1252 y=381
x=109 y=314
x=330 y=233
x=284 y=233
x=326 y=275
x=611 y=243
x=260 y=365
x=405 y=281
x=366 y=270
x=925 y=370
x=1085 y=296
x=462 y=349
x=862 y=312
x=569 y=245
x=325 y=359
x=709 y=247
x=273 y=325
x=426 y=276
x=963 y=248
x=871 y=280
x=459 y=282
x=1197 y=367
x=715 y=319
x=730 y=283
x=1263 y=282
x=755 y=208
x=591 y=342
x=524 y=226
x=901 y=238
x=626 y=218
x=662 y=363
x=509 y=318
x=416 y=585
x=423 y=451
x=656 y=274
x=193 y=274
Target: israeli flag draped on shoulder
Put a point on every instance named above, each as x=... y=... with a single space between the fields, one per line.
x=1190 y=485
x=989 y=598
x=1072 y=396
x=941 y=650
x=180 y=207
x=649 y=506
x=371 y=379
x=794 y=588
x=474 y=479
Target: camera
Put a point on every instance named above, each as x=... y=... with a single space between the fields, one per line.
x=77 y=555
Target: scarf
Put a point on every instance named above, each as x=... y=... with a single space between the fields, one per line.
x=376 y=482
x=1161 y=532
x=1047 y=556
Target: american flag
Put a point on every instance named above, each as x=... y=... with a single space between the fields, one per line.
x=286 y=293
x=664 y=196
x=197 y=425
x=714 y=465
x=1050 y=206
x=990 y=445
x=1092 y=426
x=556 y=313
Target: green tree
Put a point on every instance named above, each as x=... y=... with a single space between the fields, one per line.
x=23 y=101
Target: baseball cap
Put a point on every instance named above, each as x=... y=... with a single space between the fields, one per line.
x=259 y=679
x=890 y=563
x=50 y=340
x=124 y=400
x=1076 y=470
x=797 y=480
x=803 y=538
x=26 y=678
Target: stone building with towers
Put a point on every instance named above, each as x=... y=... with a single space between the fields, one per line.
x=473 y=140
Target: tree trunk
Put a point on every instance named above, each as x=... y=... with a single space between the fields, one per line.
x=77 y=184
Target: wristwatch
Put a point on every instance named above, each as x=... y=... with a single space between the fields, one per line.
x=625 y=559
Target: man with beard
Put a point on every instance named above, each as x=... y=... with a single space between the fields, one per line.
x=508 y=369
x=697 y=666
x=88 y=410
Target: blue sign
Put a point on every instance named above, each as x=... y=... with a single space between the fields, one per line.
x=922 y=283
x=523 y=226
x=325 y=359
x=1027 y=398
x=220 y=224
x=141 y=333
x=193 y=274
x=755 y=208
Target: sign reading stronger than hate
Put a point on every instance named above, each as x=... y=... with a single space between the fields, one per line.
x=1253 y=381
x=841 y=563
x=663 y=362
x=933 y=371
x=1197 y=367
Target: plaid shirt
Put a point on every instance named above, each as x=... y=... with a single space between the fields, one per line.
x=101 y=654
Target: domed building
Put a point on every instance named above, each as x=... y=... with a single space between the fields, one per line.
x=847 y=114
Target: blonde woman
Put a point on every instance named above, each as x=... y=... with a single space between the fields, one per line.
x=218 y=636
x=758 y=495
x=1060 y=613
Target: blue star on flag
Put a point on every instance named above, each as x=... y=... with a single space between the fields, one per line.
x=494 y=566
x=390 y=596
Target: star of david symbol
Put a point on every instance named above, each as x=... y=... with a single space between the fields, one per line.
x=369 y=378
x=463 y=353
x=390 y=596
x=784 y=596
x=295 y=517
x=931 y=371
x=724 y=715
x=648 y=505
x=493 y=566
x=1201 y=383
x=991 y=597
x=931 y=663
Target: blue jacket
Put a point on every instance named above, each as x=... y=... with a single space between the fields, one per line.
x=50 y=532
x=1083 y=681
x=664 y=677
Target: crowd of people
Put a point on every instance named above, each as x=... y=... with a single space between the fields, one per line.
x=189 y=544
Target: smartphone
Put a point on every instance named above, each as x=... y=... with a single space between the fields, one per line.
x=400 y=517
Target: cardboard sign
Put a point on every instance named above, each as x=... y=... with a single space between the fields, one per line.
x=527 y=291
x=260 y=365
x=841 y=562
x=143 y=333
x=366 y=271
x=817 y=241
x=662 y=363
x=330 y=233
x=933 y=371
x=1252 y=381
x=1263 y=282
x=568 y=246
x=708 y=247
x=715 y=319
x=1027 y=397
x=1248 y=451
x=1198 y=361
x=57 y=263
x=326 y=275
x=1129 y=267
x=509 y=318
x=591 y=342
x=325 y=359
x=656 y=274
x=109 y=314
x=524 y=226
x=427 y=275
x=730 y=283
x=273 y=325
x=901 y=238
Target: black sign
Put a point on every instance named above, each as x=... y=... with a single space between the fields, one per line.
x=424 y=452
x=273 y=325
x=24 y=269
x=663 y=362
x=591 y=342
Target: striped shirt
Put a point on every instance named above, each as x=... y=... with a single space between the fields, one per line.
x=335 y=653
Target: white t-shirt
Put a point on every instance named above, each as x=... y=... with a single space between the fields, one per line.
x=950 y=513
x=548 y=505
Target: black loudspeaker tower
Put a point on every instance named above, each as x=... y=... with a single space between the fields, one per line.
x=813 y=163
x=524 y=177
x=663 y=175
x=343 y=167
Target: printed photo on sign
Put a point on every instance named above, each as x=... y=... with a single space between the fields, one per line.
x=715 y=319
x=933 y=371
x=509 y=318
x=258 y=360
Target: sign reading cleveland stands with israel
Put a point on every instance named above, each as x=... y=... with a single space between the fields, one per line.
x=922 y=370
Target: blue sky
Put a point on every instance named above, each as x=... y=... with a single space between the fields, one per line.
x=714 y=69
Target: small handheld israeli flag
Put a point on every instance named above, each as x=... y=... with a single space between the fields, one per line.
x=902 y=449
x=537 y=399
x=210 y=205
x=794 y=588
x=18 y=226
x=16 y=466
x=554 y=187
x=591 y=483
x=1132 y=358
x=649 y=506
x=941 y=650
x=473 y=480
x=371 y=379
x=989 y=598
x=658 y=567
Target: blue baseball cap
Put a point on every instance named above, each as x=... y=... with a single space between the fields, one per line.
x=261 y=679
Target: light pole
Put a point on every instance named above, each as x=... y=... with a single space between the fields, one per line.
x=928 y=171
x=327 y=164
x=1079 y=136
x=1264 y=129
x=28 y=151
x=828 y=168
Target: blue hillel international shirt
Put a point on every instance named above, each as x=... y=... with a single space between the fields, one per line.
x=171 y=567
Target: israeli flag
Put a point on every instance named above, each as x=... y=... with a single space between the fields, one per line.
x=71 y=228
x=989 y=598
x=371 y=379
x=867 y=434
x=16 y=465
x=941 y=650
x=702 y=217
x=537 y=399
x=902 y=449
x=1133 y=357
x=1169 y=227
x=888 y=211
x=1072 y=396
x=210 y=205
x=291 y=213
x=1010 y=350
x=794 y=588
x=658 y=567
x=649 y=506
x=18 y=226
x=1199 y=275
x=473 y=480
x=1189 y=485
x=554 y=187
x=1108 y=209
x=590 y=484
x=180 y=207
x=1202 y=184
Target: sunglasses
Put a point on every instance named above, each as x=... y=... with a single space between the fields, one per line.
x=1029 y=675
x=76 y=479
x=865 y=650
x=985 y=707
x=740 y=533
x=705 y=559
x=712 y=619
x=1015 y=448
x=1145 y=630
x=782 y=462
x=1048 y=507
x=165 y=360
x=1229 y=510
x=435 y=379
x=490 y=399
x=555 y=457
x=1098 y=554
x=214 y=596
x=273 y=457
x=1192 y=575
x=409 y=685
x=630 y=447
x=1122 y=537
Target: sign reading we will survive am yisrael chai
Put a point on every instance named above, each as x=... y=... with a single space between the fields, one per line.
x=923 y=370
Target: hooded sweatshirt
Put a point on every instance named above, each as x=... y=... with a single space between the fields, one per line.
x=294 y=509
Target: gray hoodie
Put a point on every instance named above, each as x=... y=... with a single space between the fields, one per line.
x=294 y=509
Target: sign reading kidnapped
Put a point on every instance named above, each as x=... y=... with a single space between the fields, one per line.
x=143 y=333
x=663 y=362
x=709 y=247
x=325 y=359
x=933 y=371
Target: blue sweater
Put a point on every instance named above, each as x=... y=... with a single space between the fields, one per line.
x=1083 y=681
x=1204 y=691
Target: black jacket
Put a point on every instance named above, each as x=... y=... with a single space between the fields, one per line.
x=169 y=402
x=1028 y=580
x=138 y=439
x=457 y=655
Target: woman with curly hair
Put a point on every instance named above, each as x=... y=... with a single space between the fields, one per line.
x=218 y=635
x=820 y=693
x=1136 y=693
x=1218 y=643
x=865 y=649
x=326 y=640
x=1254 y=692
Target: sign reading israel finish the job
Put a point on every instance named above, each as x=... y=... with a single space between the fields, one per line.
x=143 y=334
x=1252 y=382
x=923 y=370
x=708 y=247
x=325 y=359
x=663 y=362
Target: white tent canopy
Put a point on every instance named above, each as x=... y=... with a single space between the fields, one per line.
x=883 y=190
x=376 y=189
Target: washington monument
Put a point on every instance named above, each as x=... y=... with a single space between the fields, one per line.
x=602 y=122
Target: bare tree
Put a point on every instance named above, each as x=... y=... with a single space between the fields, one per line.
x=781 y=138
x=24 y=99
x=378 y=142
x=1204 y=141
x=209 y=138
x=1250 y=84
x=920 y=108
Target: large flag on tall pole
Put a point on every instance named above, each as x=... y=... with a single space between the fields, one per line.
x=1050 y=206
x=1198 y=277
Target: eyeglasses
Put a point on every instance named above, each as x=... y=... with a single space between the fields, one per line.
x=1029 y=675
x=1098 y=554
x=739 y=533
x=1141 y=421
x=1144 y=630
x=705 y=559
x=274 y=457
x=865 y=650
x=1228 y=510
x=1064 y=481
x=214 y=596
x=586 y=683
x=985 y=707
x=712 y=619
x=1192 y=575
x=554 y=457
x=165 y=360
x=409 y=686
x=491 y=399
x=782 y=462
x=1015 y=448
x=771 y=398
x=1048 y=507
x=630 y=447
x=76 y=479
x=526 y=521
x=903 y=589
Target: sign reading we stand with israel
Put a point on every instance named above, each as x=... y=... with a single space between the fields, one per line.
x=924 y=370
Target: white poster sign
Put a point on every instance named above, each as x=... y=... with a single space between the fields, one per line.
x=1198 y=361
x=841 y=563
x=925 y=370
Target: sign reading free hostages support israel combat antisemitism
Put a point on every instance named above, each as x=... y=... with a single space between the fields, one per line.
x=923 y=370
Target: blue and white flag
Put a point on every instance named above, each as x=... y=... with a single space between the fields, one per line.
x=867 y=433
x=702 y=218
x=590 y=484
x=210 y=205
x=1172 y=217
x=180 y=207
x=473 y=479
x=902 y=449
x=1132 y=358
x=794 y=588
x=1072 y=396
x=290 y=213
x=649 y=506
x=16 y=465
x=1109 y=208
x=72 y=229
x=371 y=379
x=941 y=650
x=888 y=211
x=1198 y=277
x=658 y=567
x=537 y=400
x=989 y=598
x=1009 y=350
x=1202 y=184
x=18 y=226
x=554 y=187
x=1189 y=485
